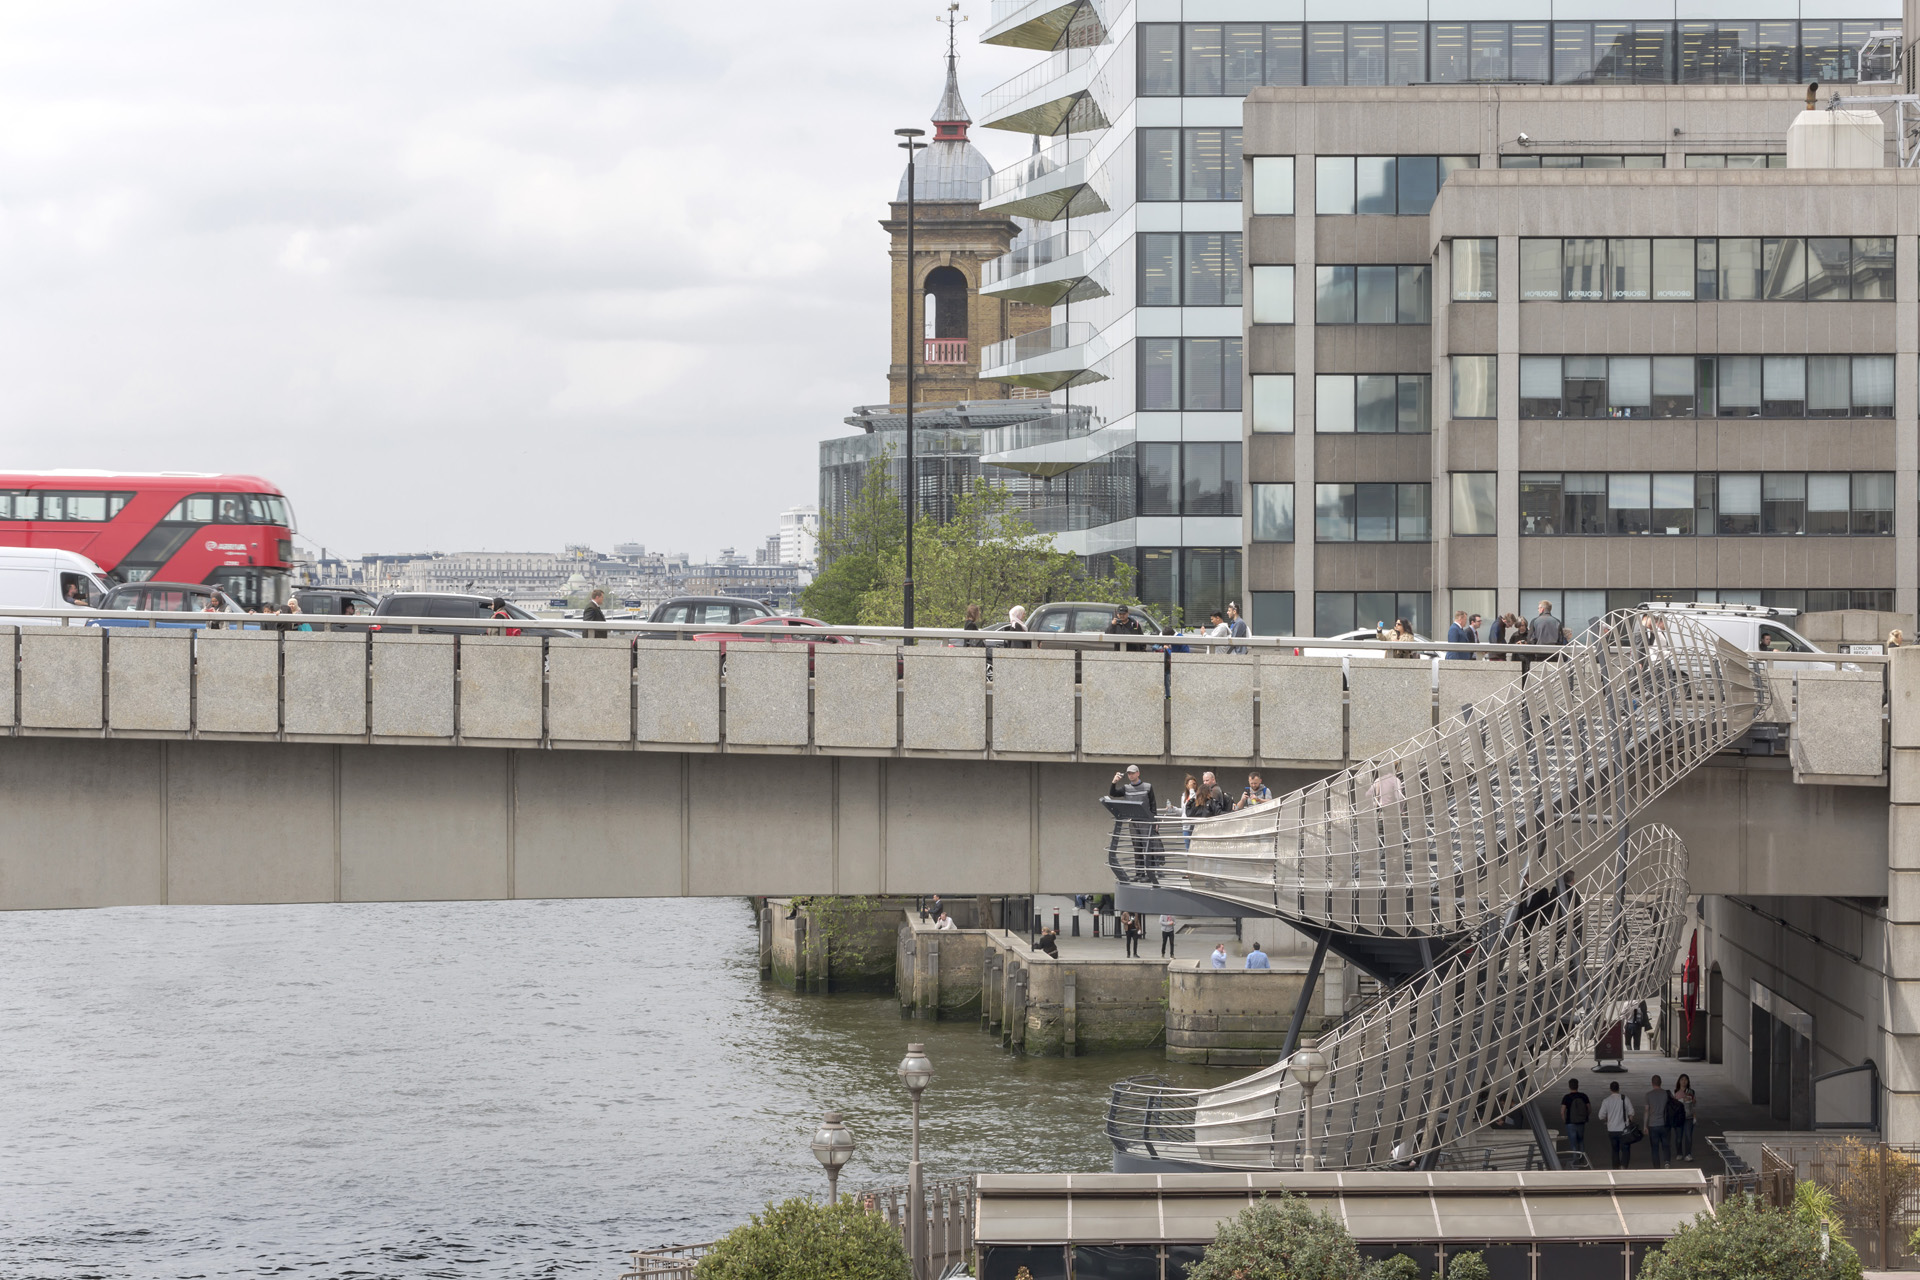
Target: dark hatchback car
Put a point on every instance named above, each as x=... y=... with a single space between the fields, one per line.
x=475 y=611
x=336 y=602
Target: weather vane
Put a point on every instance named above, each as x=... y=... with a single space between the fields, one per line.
x=951 y=17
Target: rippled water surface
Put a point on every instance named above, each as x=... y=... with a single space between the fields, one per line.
x=475 y=1089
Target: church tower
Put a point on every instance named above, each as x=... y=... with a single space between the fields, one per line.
x=953 y=240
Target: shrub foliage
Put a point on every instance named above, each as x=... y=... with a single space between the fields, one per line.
x=804 y=1239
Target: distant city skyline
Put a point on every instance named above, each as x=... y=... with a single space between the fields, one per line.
x=467 y=276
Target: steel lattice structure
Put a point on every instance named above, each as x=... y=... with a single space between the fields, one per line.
x=1487 y=869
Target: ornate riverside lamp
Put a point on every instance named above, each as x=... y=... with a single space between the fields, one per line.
x=832 y=1147
x=1309 y=1066
x=916 y=1069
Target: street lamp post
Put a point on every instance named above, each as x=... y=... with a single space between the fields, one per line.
x=911 y=147
x=1309 y=1066
x=832 y=1147
x=915 y=1071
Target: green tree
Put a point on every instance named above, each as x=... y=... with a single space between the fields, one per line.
x=1747 y=1240
x=853 y=545
x=1467 y=1266
x=989 y=554
x=1282 y=1238
x=803 y=1239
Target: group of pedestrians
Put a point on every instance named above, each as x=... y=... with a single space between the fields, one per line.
x=1666 y=1121
x=292 y=606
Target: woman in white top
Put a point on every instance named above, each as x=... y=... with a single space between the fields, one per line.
x=1617 y=1112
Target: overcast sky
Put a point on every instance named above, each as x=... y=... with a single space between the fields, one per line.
x=460 y=275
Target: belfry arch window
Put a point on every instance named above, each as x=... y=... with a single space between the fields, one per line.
x=946 y=303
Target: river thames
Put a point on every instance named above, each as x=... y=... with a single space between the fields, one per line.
x=458 y=1089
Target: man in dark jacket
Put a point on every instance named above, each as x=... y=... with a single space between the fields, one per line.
x=1131 y=786
x=1124 y=624
x=594 y=613
x=1461 y=633
x=1545 y=628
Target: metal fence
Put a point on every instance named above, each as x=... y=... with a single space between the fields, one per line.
x=1875 y=1185
x=948 y=1239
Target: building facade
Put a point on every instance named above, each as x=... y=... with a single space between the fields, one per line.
x=1143 y=193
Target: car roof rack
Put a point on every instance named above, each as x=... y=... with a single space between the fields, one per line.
x=1714 y=606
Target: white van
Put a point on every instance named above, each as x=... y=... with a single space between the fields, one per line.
x=41 y=578
x=1753 y=627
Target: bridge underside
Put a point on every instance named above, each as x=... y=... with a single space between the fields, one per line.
x=92 y=822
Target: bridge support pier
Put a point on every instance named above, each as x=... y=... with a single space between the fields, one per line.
x=1901 y=1061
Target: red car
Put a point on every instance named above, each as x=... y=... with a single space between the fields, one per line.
x=781 y=631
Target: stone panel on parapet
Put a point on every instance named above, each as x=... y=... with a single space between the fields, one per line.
x=1465 y=683
x=1211 y=706
x=590 y=690
x=767 y=695
x=1301 y=718
x=677 y=693
x=1033 y=702
x=1390 y=700
x=855 y=696
x=9 y=639
x=237 y=682
x=150 y=680
x=326 y=683
x=1122 y=704
x=1838 y=731
x=500 y=689
x=946 y=699
x=60 y=677
x=413 y=686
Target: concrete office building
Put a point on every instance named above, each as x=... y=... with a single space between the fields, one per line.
x=1142 y=186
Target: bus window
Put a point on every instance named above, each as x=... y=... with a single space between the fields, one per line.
x=197 y=509
x=276 y=509
x=18 y=505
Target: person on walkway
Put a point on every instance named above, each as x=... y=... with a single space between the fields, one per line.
x=595 y=612
x=1130 y=923
x=1256 y=792
x=293 y=606
x=1387 y=789
x=1257 y=959
x=1167 y=924
x=1146 y=842
x=1191 y=807
x=1683 y=1136
x=1124 y=624
x=1895 y=639
x=1017 y=621
x=1219 y=955
x=1047 y=945
x=1545 y=629
x=972 y=623
x=1459 y=633
x=1658 y=1136
x=1631 y=1027
x=1576 y=1108
x=1216 y=799
x=1617 y=1113
x=946 y=923
x=1237 y=627
x=1217 y=629
x=1402 y=630
x=1474 y=625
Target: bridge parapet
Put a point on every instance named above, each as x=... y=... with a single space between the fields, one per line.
x=1273 y=707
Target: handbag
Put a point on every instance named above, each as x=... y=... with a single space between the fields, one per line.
x=1634 y=1133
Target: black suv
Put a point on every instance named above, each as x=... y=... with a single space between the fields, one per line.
x=335 y=602
x=472 y=609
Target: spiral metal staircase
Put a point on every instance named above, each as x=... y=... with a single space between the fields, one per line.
x=1487 y=873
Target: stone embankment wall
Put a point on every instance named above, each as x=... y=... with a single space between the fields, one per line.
x=844 y=945
x=1235 y=1017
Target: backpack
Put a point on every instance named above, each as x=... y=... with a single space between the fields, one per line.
x=1676 y=1112
x=1577 y=1111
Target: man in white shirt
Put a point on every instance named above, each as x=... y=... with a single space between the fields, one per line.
x=1617 y=1113
x=946 y=922
x=1167 y=924
x=1220 y=955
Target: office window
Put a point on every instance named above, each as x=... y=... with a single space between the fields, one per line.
x=1159 y=268
x=1673 y=503
x=1403 y=185
x=1629 y=499
x=1783 y=386
x=1629 y=386
x=1159 y=479
x=1583 y=269
x=1272 y=512
x=1872 y=386
x=1749 y=160
x=1189 y=373
x=1273 y=185
x=1473 y=504
x=1583 y=508
x=1373 y=512
x=1273 y=402
x=1373 y=295
x=1673 y=270
x=1159 y=59
x=1210 y=478
x=1273 y=295
x=1338 y=612
x=1211 y=164
x=1539 y=270
x=1674 y=387
x=1608 y=160
x=1873 y=502
x=1373 y=403
x=1272 y=613
x=1783 y=503
x=1738 y=503
x=1540 y=498
x=1873 y=269
x=1473 y=386
x=1159 y=164
x=1629 y=270
x=1829 y=503
x=1474 y=278
x=1783 y=268
x=1211 y=274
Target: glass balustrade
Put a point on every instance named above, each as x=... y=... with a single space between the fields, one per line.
x=1041 y=342
x=1030 y=257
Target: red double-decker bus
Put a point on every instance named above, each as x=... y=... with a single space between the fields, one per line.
x=233 y=532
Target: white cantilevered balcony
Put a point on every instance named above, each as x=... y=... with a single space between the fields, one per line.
x=1047 y=185
x=1046 y=359
x=1035 y=24
x=1049 y=96
x=1044 y=272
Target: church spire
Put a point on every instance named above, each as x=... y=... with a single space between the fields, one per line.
x=950 y=118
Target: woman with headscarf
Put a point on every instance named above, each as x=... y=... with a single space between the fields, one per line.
x=1017 y=621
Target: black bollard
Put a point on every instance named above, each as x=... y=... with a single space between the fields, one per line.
x=1056 y=921
x=1076 y=924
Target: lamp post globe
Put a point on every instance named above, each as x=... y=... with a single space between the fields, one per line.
x=916 y=1069
x=1308 y=1066
x=832 y=1147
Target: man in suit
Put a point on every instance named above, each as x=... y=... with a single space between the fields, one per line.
x=1460 y=633
x=594 y=613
